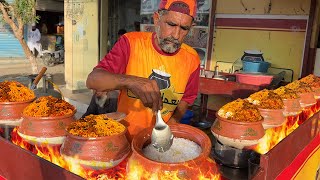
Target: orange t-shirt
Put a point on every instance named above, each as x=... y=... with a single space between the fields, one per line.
x=177 y=76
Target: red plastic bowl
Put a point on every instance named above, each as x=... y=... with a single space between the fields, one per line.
x=253 y=79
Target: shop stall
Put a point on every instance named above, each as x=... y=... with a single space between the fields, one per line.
x=287 y=150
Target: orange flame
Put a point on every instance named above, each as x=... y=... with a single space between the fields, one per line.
x=274 y=135
x=136 y=171
x=52 y=154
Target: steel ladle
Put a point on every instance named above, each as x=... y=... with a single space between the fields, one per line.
x=161 y=137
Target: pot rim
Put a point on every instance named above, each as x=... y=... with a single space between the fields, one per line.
x=238 y=122
x=282 y=109
x=95 y=138
x=19 y=102
x=50 y=117
x=147 y=136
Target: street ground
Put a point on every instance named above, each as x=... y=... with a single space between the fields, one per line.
x=21 y=68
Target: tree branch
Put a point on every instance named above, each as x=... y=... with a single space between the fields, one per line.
x=6 y=17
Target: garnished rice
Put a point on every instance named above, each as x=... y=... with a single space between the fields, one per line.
x=13 y=91
x=299 y=87
x=48 y=106
x=181 y=150
x=240 y=110
x=311 y=80
x=95 y=126
x=266 y=99
x=286 y=93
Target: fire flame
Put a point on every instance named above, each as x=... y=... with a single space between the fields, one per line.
x=274 y=135
x=52 y=154
x=138 y=172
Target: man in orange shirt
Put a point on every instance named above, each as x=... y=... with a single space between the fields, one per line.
x=154 y=71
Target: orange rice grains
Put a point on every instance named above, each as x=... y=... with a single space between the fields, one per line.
x=266 y=99
x=95 y=126
x=48 y=106
x=13 y=91
x=240 y=110
x=286 y=93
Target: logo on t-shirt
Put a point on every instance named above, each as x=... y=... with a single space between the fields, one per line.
x=170 y=98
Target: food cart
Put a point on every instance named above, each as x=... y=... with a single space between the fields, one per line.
x=293 y=153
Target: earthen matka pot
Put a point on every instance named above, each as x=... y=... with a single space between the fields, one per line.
x=46 y=126
x=307 y=99
x=238 y=130
x=316 y=93
x=142 y=139
x=291 y=107
x=12 y=110
x=102 y=149
x=272 y=117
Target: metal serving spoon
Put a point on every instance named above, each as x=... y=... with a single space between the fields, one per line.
x=161 y=137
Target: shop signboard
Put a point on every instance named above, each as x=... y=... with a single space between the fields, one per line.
x=149 y=6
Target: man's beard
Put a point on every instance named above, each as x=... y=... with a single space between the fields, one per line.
x=168 y=44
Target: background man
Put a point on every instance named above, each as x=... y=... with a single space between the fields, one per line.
x=34 y=37
x=154 y=71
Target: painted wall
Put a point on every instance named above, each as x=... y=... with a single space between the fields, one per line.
x=81 y=42
x=279 y=7
x=277 y=28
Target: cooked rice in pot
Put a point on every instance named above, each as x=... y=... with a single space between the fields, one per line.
x=286 y=93
x=266 y=99
x=240 y=110
x=299 y=87
x=95 y=126
x=311 y=80
x=48 y=106
x=181 y=150
x=13 y=91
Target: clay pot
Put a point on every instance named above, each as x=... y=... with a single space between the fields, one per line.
x=11 y=112
x=50 y=130
x=307 y=99
x=188 y=169
x=291 y=107
x=272 y=117
x=316 y=93
x=96 y=152
x=237 y=134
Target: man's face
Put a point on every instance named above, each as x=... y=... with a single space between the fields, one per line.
x=171 y=29
x=33 y=28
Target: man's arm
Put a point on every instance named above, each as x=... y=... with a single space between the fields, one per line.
x=145 y=89
x=178 y=112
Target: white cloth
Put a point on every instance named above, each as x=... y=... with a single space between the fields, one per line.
x=33 y=41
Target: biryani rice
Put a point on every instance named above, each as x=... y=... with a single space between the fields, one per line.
x=48 y=106
x=240 y=110
x=95 y=126
x=286 y=93
x=266 y=99
x=13 y=91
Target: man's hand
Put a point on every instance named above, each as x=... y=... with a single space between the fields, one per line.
x=147 y=91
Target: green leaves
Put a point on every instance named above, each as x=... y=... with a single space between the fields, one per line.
x=25 y=9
